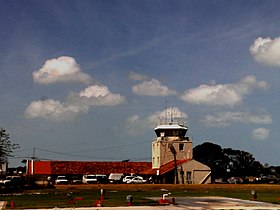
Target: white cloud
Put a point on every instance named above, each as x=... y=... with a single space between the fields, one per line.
x=53 y=110
x=62 y=69
x=224 y=119
x=223 y=94
x=135 y=124
x=260 y=133
x=97 y=95
x=137 y=77
x=74 y=105
x=266 y=51
x=152 y=88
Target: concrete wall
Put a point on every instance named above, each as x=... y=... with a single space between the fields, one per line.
x=161 y=153
x=194 y=172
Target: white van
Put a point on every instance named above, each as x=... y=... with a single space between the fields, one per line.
x=89 y=179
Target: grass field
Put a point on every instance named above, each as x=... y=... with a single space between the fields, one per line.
x=115 y=195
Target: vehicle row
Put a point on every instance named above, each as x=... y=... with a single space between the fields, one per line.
x=82 y=179
x=85 y=179
x=99 y=178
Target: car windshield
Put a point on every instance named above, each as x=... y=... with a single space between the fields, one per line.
x=61 y=177
x=91 y=177
x=129 y=177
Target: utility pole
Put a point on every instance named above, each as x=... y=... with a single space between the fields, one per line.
x=33 y=154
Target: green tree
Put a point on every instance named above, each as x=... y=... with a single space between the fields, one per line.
x=241 y=163
x=211 y=155
x=6 y=146
x=225 y=163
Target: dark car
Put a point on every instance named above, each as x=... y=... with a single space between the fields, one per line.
x=101 y=178
x=76 y=180
x=12 y=181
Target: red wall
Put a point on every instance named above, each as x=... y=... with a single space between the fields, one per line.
x=39 y=167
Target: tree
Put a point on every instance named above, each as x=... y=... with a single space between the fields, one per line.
x=211 y=155
x=241 y=163
x=225 y=163
x=6 y=146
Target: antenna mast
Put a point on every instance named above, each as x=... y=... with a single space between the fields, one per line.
x=165 y=117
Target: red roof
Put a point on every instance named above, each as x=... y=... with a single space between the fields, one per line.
x=166 y=167
x=78 y=167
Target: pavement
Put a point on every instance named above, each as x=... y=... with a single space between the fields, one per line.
x=188 y=203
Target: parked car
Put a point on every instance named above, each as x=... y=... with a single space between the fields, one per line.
x=89 y=179
x=101 y=178
x=126 y=178
x=136 y=180
x=12 y=181
x=115 y=178
x=76 y=180
x=61 y=180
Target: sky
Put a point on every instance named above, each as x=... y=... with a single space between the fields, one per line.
x=89 y=80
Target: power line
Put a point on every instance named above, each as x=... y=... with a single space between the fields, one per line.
x=74 y=154
x=112 y=147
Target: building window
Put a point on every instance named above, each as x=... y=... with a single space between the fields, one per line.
x=181 y=147
x=189 y=177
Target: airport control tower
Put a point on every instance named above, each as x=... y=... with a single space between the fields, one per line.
x=171 y=142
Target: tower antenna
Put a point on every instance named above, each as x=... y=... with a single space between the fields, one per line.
x=165 y=117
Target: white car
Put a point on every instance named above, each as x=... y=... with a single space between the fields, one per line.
x=61 y=180
x=136 y=180
x=126 y=178
x=89 y=179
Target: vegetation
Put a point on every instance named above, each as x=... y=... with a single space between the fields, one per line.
x=115 y=195
x=6 y=146
x=226 y=163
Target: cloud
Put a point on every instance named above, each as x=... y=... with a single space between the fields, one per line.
x=224 y=119
x=137 y=77
x=99 y=95
x=65 y=69
x=223 y=94
x=74 y=105
x=260 y=133
x=152 y=88
x=266 y=51
x=62 y=69
x=53 y=110
x=135 y=125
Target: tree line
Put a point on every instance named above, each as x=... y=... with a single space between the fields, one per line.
x=228 y=162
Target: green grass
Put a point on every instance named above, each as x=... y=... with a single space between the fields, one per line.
x=51 y=198
x=59 y=199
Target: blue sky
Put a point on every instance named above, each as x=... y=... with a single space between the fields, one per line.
x=87 y=80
